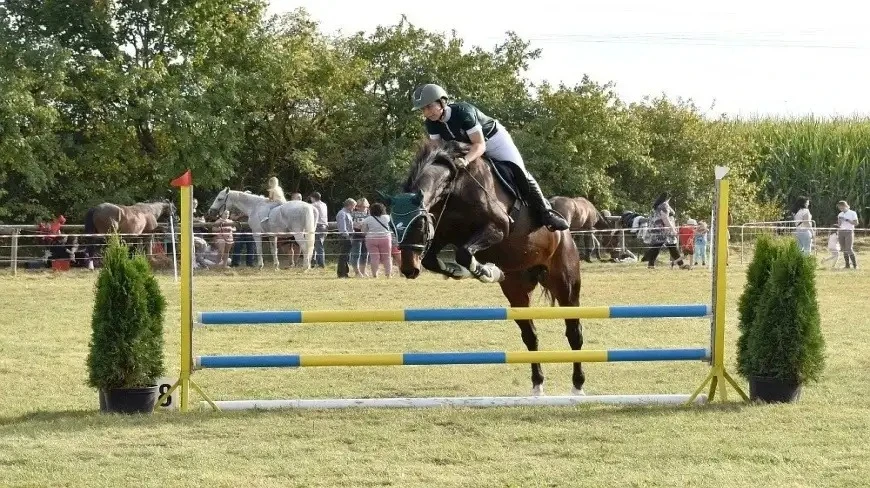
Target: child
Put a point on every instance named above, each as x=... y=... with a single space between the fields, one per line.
x=275 y=194
x=834 y=247
x=223 y=240
x=686 y=234
x=701 y=243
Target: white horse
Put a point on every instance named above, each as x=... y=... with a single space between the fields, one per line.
x=264 y=216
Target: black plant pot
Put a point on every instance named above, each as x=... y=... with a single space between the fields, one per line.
x=131 y=400
x=102 y=394
x=773 y=390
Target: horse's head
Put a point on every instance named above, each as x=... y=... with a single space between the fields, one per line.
x=219 y=204
x=167 y=210
x=428 y=184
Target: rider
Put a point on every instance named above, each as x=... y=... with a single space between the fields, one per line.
x=464 y=122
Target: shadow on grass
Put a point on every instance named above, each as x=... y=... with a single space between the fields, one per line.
x=85 y=420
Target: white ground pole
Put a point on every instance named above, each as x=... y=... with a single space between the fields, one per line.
x=433 y=402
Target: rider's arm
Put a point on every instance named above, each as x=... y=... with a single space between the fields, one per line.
x=478 y=145
x=471 y=126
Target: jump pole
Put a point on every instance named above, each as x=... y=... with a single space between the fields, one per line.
x=718 y=375
x=185 y=225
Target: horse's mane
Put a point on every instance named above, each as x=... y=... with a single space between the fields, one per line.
x=434 y=152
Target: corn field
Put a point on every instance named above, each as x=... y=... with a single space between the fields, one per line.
x=825 y=160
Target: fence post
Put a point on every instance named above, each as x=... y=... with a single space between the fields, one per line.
x=14 y=252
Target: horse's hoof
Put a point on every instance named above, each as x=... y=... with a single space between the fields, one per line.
x=576 y=392
x=538 y=390
x=495 y=274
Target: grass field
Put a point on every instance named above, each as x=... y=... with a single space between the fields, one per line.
x=52 y=435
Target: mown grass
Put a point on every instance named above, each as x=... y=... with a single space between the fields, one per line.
x=52 y=435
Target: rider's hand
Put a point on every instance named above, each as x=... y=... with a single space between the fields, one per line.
x=461 y=163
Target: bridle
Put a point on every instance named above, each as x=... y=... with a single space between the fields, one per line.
x=429 y=222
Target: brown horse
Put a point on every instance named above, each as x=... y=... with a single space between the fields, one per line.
x=136 y=219
x=444 y=205
x=582 y=216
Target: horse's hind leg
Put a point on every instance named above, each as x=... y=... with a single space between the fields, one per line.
x=518 y=289
x=564 y=286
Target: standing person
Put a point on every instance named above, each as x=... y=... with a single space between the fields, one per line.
x=358 y=253
x=223 y=240
x=376 y=228
x=464 y=122
x=687 y=241
x=847 y=219
x=803 y=223
x=663 y=232
x=319 y=255
x=701 y=243
x=344 y=219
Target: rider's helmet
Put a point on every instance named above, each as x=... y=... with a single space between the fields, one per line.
x=426 y=94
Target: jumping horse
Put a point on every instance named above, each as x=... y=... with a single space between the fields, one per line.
x=127 y=220
x=497 y=238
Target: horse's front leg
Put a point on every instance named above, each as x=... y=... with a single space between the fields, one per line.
x=258 y=244
x=274 y=242
x=432 y=263
x=483 y=239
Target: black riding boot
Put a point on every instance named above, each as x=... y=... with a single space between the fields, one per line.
x=536 y=199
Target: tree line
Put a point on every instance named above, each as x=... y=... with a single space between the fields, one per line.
x=107 y=101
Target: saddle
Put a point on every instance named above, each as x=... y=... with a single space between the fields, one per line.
x=504 y=172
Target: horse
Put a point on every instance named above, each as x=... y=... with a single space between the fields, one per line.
x=443 y=205
x=265 y=216
x=582 y=216
x=127 y=220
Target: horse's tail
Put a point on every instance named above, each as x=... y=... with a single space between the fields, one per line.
x=90 y=228
x=310 y=232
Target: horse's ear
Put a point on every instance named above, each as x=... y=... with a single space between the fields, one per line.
x=417 y=199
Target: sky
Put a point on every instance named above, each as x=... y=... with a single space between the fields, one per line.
x=742 y=58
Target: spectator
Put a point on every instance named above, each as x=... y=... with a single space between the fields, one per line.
x=344 y=219
x=663 y=232
x=834 y=248
x=701 y=234
x=322 y=213
x=847 y=219
x=244 y=244
x=376 y=228
x=223 y=240
x=803 y=224
x=687 y=241
x=359 y=254
x=295 y=197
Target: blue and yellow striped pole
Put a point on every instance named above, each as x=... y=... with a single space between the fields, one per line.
x=453 y=314
x=449 y=358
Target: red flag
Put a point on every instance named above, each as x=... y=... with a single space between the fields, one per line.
x=184 y=180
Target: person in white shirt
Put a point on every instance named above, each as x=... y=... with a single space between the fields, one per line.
x=319 y=256
x=834 y=247
x=803 y=223
x=376 y=228
x=847 y=219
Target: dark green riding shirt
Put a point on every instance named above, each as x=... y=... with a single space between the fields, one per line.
x=464 y=117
